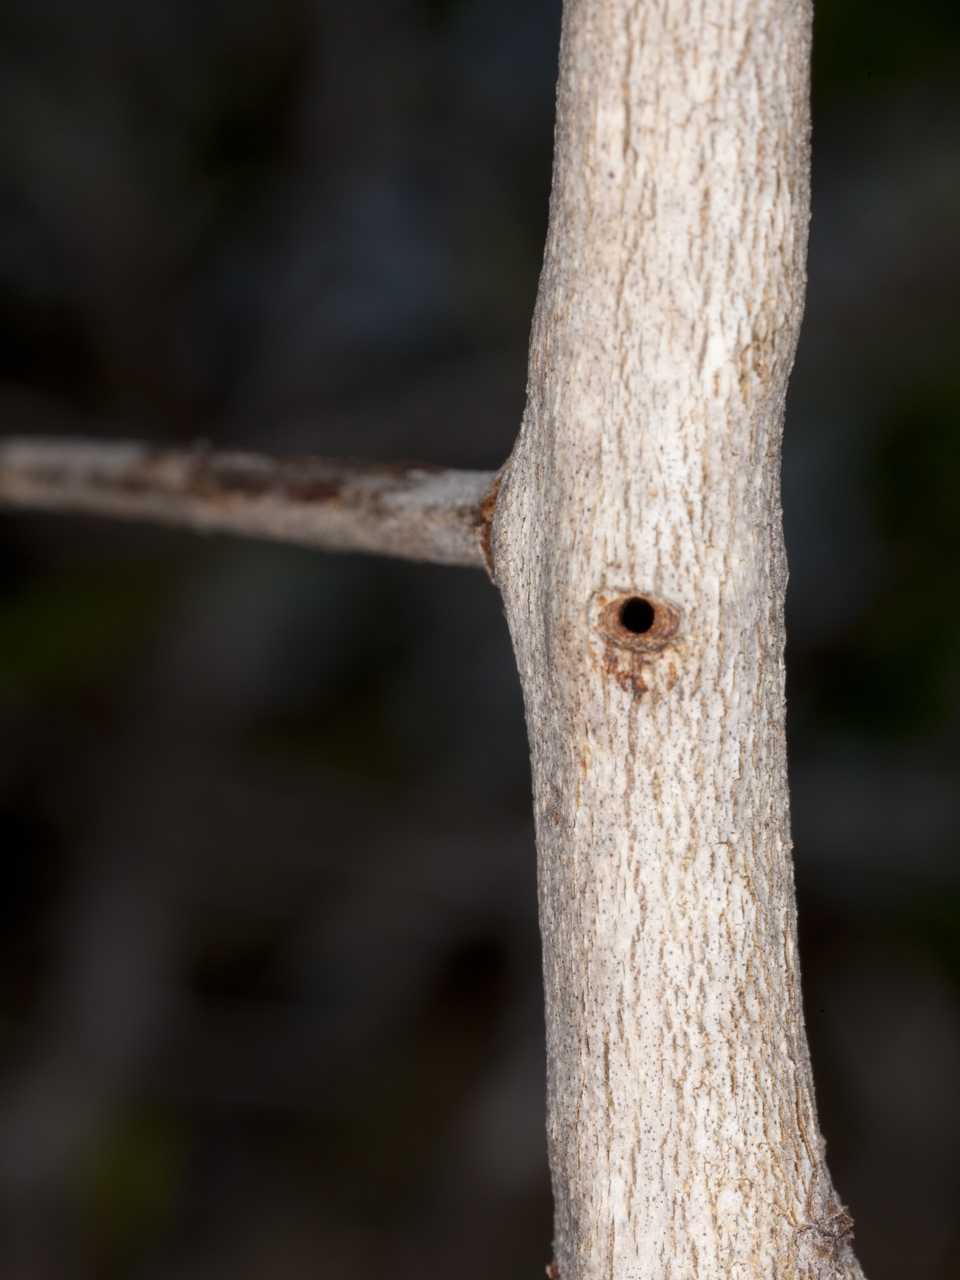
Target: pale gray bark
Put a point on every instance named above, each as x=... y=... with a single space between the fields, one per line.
x=637 y=543
x=683 y=1133
x=417 y=511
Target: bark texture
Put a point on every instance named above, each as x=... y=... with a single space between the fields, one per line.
x=413 y=510
x=637 y=542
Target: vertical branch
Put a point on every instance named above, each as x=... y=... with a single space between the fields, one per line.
x=637 y=541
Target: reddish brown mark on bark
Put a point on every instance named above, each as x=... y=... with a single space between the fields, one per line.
x=635 y=628
x=299 y=480
x=208 y=476
x=225 y=480
x=834 y=1229
x=484 y=524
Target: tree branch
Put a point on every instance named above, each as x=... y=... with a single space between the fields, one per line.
x=638 y=547
x=412 y=510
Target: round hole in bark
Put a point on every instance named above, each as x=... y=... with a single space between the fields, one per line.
x=637 y=615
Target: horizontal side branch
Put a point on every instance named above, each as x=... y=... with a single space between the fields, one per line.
x=415 y=511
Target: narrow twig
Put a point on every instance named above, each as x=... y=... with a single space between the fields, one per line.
x=412 y=510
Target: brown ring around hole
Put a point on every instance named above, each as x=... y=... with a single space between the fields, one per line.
x=636 y=620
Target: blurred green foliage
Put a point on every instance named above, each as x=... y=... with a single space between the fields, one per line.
x=375 y=1150
x=897 y=670
x=930 y=924
x=131 y=1184
x=64 y=630
x=239 y=118
x=355 y=723
x=353 y=729
x=864 y=44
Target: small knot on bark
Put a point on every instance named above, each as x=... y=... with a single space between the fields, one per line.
x=835 y=1227
x=827 y=1241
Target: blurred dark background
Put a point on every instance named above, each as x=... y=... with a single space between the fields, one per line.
x=269 y=968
